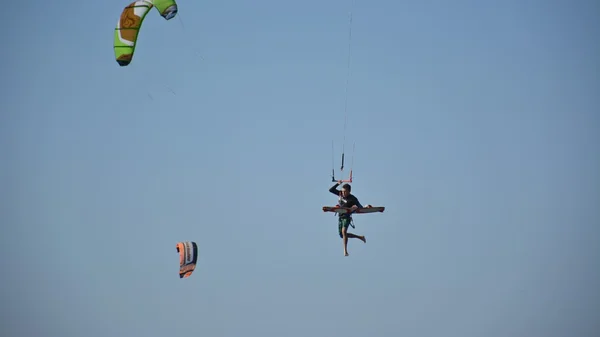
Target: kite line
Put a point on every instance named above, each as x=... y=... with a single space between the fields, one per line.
x=345 y=106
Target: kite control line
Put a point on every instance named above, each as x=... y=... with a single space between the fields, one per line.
x=345 y=111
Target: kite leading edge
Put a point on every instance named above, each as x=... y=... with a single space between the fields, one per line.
x=130 y=22
x=188 y=255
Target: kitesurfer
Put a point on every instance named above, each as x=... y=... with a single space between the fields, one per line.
x=346 y=199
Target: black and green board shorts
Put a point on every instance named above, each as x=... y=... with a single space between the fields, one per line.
x=343 y=222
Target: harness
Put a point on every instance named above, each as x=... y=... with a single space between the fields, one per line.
x=341 y=202
x=351 y=219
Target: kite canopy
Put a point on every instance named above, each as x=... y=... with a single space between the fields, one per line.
x=188 y=255
x=130 y=22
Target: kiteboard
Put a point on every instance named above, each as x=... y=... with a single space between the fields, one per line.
x=344 y=210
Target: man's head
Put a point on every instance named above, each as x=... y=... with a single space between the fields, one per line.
x=346 y=190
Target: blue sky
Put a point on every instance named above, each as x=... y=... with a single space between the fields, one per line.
x=476 y=125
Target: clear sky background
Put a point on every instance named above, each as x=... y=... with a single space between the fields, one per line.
x=476 y=124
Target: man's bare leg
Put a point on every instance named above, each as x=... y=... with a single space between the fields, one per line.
x=346 y=235
x=345 y=240
x=360 y=237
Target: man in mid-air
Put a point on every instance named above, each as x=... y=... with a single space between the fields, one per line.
x=346 y=199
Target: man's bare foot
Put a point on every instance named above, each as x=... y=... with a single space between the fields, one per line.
x=363 y=239
x=346 y=254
